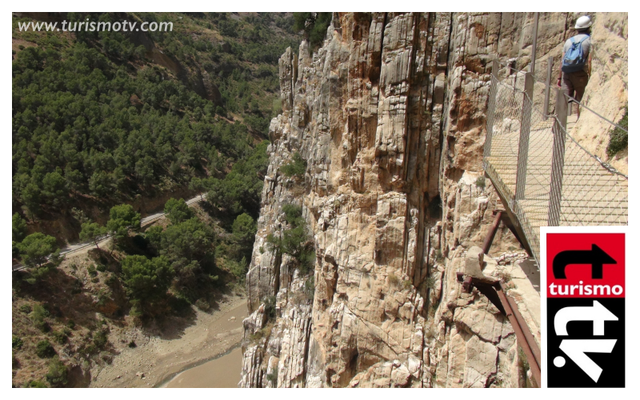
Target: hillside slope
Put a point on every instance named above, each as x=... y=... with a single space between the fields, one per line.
x=108 y=126
x=101 y=118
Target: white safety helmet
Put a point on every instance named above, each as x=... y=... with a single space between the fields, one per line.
x=583 y=22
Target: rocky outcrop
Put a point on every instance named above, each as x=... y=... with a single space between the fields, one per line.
x=389 y=115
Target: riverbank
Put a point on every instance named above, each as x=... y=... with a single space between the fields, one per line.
x=221 y=372
x=160 y=358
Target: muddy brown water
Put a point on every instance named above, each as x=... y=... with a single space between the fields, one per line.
x=224 y=370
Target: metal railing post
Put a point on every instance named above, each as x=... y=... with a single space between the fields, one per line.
x=534 y=46
x=547 y=88
x=493 y=94
x=523 y=144
x=557 y=160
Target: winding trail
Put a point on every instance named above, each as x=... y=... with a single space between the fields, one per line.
x=76 y=247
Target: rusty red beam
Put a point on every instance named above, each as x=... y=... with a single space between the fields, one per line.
x=492 y=233
x=527 y=332
x=493 y=291
x=523 y=334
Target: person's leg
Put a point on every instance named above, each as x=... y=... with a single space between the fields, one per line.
x=579 y=82
x=567 y=87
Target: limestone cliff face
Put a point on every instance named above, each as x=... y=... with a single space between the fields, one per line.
x=389 y=114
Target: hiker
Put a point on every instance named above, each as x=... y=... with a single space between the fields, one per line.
x=576 y=61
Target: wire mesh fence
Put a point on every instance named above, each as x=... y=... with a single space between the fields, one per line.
x=544 y=174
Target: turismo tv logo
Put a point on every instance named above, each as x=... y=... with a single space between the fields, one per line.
x=585 y=309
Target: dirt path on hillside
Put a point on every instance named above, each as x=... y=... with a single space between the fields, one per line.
x=156 y=360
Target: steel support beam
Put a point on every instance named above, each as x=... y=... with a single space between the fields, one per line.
x=523 y=334
x=523 y=144
x=534 y=46
x=492 y=289
x=492 y=233
x=557 y=160
x=514 y=224
x=547 y=88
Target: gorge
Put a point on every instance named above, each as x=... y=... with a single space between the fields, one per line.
x=277 y=199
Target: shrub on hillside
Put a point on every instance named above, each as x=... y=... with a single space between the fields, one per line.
x=38 y=316
x=35 y=384
x=16 y=342
x=314 y=25
x=57 y=375
x=294 y=241
x=44 y=349
x=122 y=218
x=93 y=232
x=60 y=337
x=37 y=248
x=296 y=167
x=177 y=210
x=146 y=279
x=18 y=227
x=619 y=139
x=100 y=339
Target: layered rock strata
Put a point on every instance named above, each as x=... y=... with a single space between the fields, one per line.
x=389 y=115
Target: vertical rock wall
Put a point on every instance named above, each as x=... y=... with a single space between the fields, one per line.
x=389 y=114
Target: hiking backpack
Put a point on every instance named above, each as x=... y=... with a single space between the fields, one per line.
x=574 y=59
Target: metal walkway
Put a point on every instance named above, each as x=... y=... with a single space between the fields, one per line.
x=543 y=176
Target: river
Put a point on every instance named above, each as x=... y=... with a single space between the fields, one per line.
x=222 y=371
